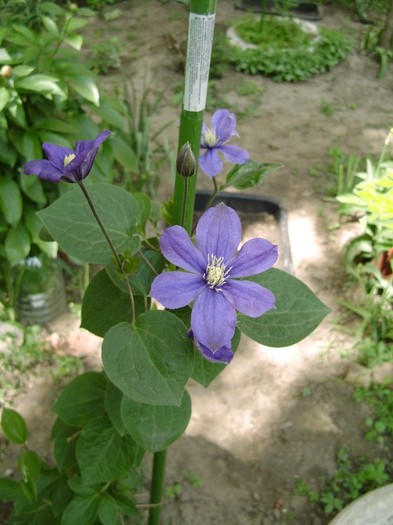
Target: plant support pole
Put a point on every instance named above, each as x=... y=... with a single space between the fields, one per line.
x=200 y=40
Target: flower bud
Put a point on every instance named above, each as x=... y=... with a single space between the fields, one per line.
x=185 y=162
x=6 y=71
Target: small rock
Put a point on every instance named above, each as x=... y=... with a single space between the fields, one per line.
x=382 y=374
x=359 y=375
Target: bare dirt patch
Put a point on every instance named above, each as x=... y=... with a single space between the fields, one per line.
x=274 y=415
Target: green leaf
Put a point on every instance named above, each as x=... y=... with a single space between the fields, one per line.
x=17 y=244
x=102 y=454
x=125 y=155
x=50 y=26
x=72 y=224
x=75 y=41
x=29 y=465
x=22 y=71
x=4 y=97
x=107 y=509
x=86 y=87
x=151 y=360
x=64 y=444
x=298 y=311
x=81 y=509
x=41 y=84
x=32 y=187
x=145 y=205
x=113 y=398
x=104 y=305
x=142 y=279
x=82 y=399
x=155 y=427
x=9 y=489
x=77 y=486
x=30 y=145
x=250 y=174
x=10 y=201
x=111 y=116
x=14 y=426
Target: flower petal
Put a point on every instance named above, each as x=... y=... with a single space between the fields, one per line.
x=221 y=355
x=176 y=289
x=44 y=169
x=210 y=163
x=234 y=154
x=248 y=297
x=178 y=248
x=219 y=232
x=213 y=320
x=224 y=125
x=84 y=146
x=56 y=154
x=255 y=256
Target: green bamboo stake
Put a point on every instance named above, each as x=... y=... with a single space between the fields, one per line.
x=200 y=40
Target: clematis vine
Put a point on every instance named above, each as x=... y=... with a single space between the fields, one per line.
x=65 y=164
x=215 y=140
x=212 y=279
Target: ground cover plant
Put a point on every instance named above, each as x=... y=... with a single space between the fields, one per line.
x=108 y=420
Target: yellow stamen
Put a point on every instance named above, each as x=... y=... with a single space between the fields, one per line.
x=69 y=158
x=210 y=138
x=216 y=272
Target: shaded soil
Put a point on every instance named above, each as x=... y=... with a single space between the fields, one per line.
x=274 y=416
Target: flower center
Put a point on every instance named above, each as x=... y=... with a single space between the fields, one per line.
x=68 y=158
x=216 y=272
x=210 y=138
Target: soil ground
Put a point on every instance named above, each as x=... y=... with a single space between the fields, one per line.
x=274 y=416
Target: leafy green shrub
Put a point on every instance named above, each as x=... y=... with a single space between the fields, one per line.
x=287 y=57
x=46 y=95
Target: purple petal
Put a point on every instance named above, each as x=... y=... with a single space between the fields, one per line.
x=221 y=355
x=248 y=297
x=224 y=125
x=219 y=232
x=84 y=146
x=44 y=169
x=56 y=154
x=176 y=289
x=234 y=154
x=255 y=256
x=213 y=320
x=210 y=163
x=178 y=248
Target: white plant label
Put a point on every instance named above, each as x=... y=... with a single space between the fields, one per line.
x=200 y=40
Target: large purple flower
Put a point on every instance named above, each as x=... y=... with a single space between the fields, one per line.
x=213 y=267
x=215 y=139
x=64 y=163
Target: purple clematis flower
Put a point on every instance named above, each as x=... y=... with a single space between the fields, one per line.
x=213 y=268
x=214 y=140
x=64 y=163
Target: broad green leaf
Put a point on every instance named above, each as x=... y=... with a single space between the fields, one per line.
x=14 y=426
x=72 y=224
x=54 y=138
x=102 y=454
x=111 y=116
x=77 y=486
x=41 y=84
x=151 y=263
x=86 y=87
x=9 y=489
x=5 y=57
x=52 y=9
x=17 y=244
x=113 y=397
x=298 y=311
x=16 y=111
x=32 y=187
x=155 y=427
x=56 y=125
x=145 y=205
x=105 y=305
x=125 y=155
x=82 y=399
x=4 y=97
x=107 y=509
x=29 y=465
x=75 y=41
x=81 y=509
x=151 y=360
x=10 y=201
x=64 y=437
x=250 y=174
x=50 y=26
x=30 y=145
x=22 y=71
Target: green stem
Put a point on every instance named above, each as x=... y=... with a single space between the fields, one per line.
x=111 y=245
x=157 y=487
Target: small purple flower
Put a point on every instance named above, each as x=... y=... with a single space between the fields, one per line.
x=213 y=267
x=64 y=163
x=215 y=139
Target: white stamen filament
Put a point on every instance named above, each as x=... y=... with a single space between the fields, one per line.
x=210 y=138
x=216 y=272
x=69 y=158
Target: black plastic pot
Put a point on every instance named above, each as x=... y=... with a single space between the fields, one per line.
x=254 y=204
